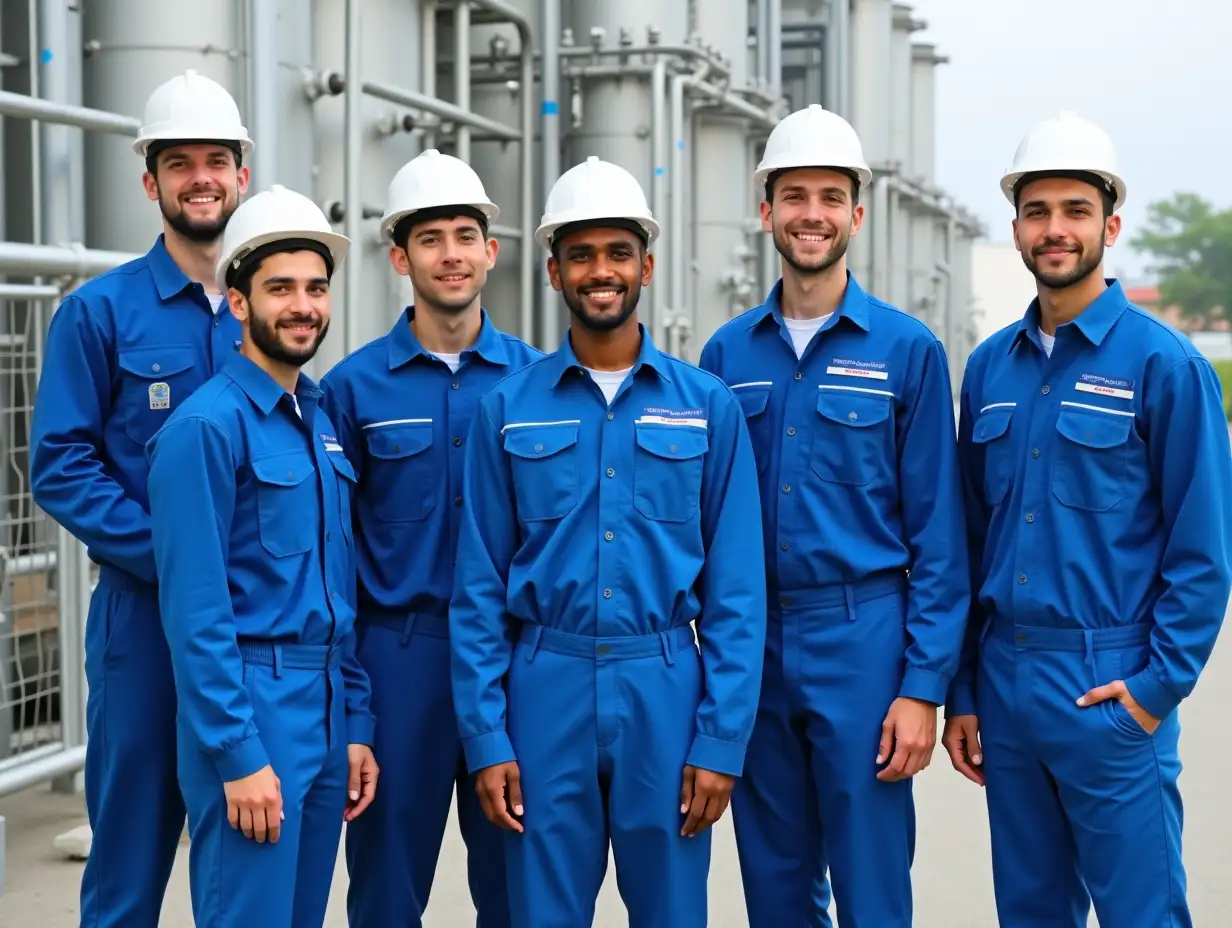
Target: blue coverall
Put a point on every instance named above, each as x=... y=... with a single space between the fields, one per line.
x=856 y=452
x=251 y=511
x=122 y=352
x=592 y=537
x=402 y=417
x=1097 y=484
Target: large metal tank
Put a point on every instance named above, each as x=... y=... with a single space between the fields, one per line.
x=870 y=96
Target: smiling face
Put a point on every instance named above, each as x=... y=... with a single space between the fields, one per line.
x=285 y=307
x=447 y=260
x=600 y=273
x=197 y=187
x=812 y=217
x=1062 y=230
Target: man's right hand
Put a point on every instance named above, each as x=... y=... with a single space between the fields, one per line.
x=500 y=793
x=962 y=740
x=254 y=805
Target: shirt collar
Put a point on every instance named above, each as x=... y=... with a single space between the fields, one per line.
x=169 y=280
x=1094 y=322
x=565 y=361
x=853 y=306
x=405 y=347
x=262 y=389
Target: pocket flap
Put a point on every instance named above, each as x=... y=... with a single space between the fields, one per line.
x=156 y=362
x=1094 y=429
x=399 y=441
x=283 y=469
x=992 y=424
x=673 y=442
x=534 y=442
x=342 y=465
x=753 y=401
x=858 y=410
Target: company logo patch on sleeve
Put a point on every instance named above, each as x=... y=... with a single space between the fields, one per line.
x=1117 y=387
x=868 y=370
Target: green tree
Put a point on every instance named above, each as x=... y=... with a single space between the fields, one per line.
x=1191 y=243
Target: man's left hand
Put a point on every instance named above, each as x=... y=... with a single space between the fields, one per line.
x=1120 y=692
x=910 y=731
x=704 y=796
x=361 y=785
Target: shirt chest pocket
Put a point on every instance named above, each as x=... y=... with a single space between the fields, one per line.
x=288 y=512
x=851 y=436
x=667 y=471
x=345 y=483
x=1091 y=463
x=154 y=379
x=544 y=461
x=403 y=482
x=991 y=434
x=754 y=401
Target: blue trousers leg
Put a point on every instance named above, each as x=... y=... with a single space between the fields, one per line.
x=133 y=798
x=393 y=848
x=237 y=882
x=1115 y=787
x=774 y=810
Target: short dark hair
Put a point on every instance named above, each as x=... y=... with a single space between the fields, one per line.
x=627 y=225
x=158 y=147
x=241 y=277
x=855 y=181
x=1107 y=196
x=402 y=228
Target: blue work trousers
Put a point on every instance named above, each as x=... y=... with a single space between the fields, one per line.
x=297 y=698
x=133 y=799
x=1083 y=804
x=809 y=798
x=601 y=728
x=393 y=848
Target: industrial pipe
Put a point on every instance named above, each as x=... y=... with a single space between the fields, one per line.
x=774 y=27
x=550 y=132
x=687 y=52
x=676 y=230
x=427 y=54
x=659 y=180
x=60 y=260
x=462 y=75
x=447 y=111
x=18 y=104
x=50 y=767
x=352 y=189
x=28 y=292
x=263 y=74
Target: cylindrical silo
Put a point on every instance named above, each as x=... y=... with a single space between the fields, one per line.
x=902 y=215
x=870 y=112
x=924 y=61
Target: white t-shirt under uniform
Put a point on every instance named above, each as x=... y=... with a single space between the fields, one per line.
x=803 y=330
x=609 y=381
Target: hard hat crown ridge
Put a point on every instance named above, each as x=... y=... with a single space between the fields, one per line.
x=595 y=190
x=191 y=107
x=1069 y=145
x=813 y=137
x=432 y=180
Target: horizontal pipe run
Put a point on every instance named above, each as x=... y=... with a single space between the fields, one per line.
x=411 y=98
x=21 y=105
x=45 y=768
x=71 y=260
x=28 y=292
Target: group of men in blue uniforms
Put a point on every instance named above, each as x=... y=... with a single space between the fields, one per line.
x=535 y=581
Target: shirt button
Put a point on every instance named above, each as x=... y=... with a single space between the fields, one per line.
x=1030 y=517
x=1035 y=452
x=671 y=448
x=607 y=594
x=787 y=488
x=538 y=447
x=329 y=536
x=791 y=430
x=611 y=472
x=784 y=545
x=457 y=501
x=457 y=442
x=608 y=535
x=1047 y=389
x=1022 y=578
x=455 y=385
x=799 y=375
x=290 y=475
x=156 y=368
x=397 y=447
x=610 y=415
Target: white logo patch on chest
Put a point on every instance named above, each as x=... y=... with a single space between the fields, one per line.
x=866 y=370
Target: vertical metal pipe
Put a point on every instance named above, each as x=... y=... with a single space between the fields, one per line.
x=63 y=187
x=774 y=30
x=659 y=178
x=427 y=64
x=462 y=73
x=550 y=131
x=526 y=248
x=353 y=219
x=263 y=31
x=676 y=230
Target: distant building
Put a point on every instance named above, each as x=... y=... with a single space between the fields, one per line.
x=1148 y=298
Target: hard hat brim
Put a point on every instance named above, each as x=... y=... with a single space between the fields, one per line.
x=390 y=220
x=763 y=172
x=547 y=230
x=1011 y=179
x=142 y=144
x=338 y=245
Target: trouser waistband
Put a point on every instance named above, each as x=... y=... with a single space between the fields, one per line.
x=119 y=579
x=1041 y=638
x=407 y=624
x=616 y=648
x=839 y=594
x=288 y=656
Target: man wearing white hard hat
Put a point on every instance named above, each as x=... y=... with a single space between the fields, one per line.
x=609 y=502
x=850 y=409
x=402 y=406
x=1099 y=501
x=250 y=502
x=122 y=352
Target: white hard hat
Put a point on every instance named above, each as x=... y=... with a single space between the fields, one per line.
x=430 y=180
x=275 y=215
x=812 y=137
x=595 y=189
x=1066 y=144
x=191 y=106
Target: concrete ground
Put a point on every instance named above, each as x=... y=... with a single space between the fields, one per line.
x=952 y=876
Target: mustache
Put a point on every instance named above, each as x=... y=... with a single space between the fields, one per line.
x=1045 y=245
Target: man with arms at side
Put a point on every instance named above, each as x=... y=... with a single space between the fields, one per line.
x=250 y=503
x=609 y=501
x=1099 y=502
x=402 y=407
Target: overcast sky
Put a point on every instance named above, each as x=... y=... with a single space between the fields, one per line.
x=1156 y=75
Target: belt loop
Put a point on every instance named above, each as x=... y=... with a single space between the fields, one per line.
x=277 y=660
x=408 y=629
x=666 y=640
x=1088 y=640
x=849 y=592
x=536 y=635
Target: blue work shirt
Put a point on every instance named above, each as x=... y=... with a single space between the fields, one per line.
x=251 y=516
x=402 y=417
x=123 y=351
x=856 y=453
x=1097 y=487
x=604 y=521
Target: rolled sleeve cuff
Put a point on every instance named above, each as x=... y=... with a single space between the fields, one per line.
x=1152 y=695
x=488 y=750
x=961 y=700
x=241 y=760
x=361 y=729
x=717 y=755
x=924 y=685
